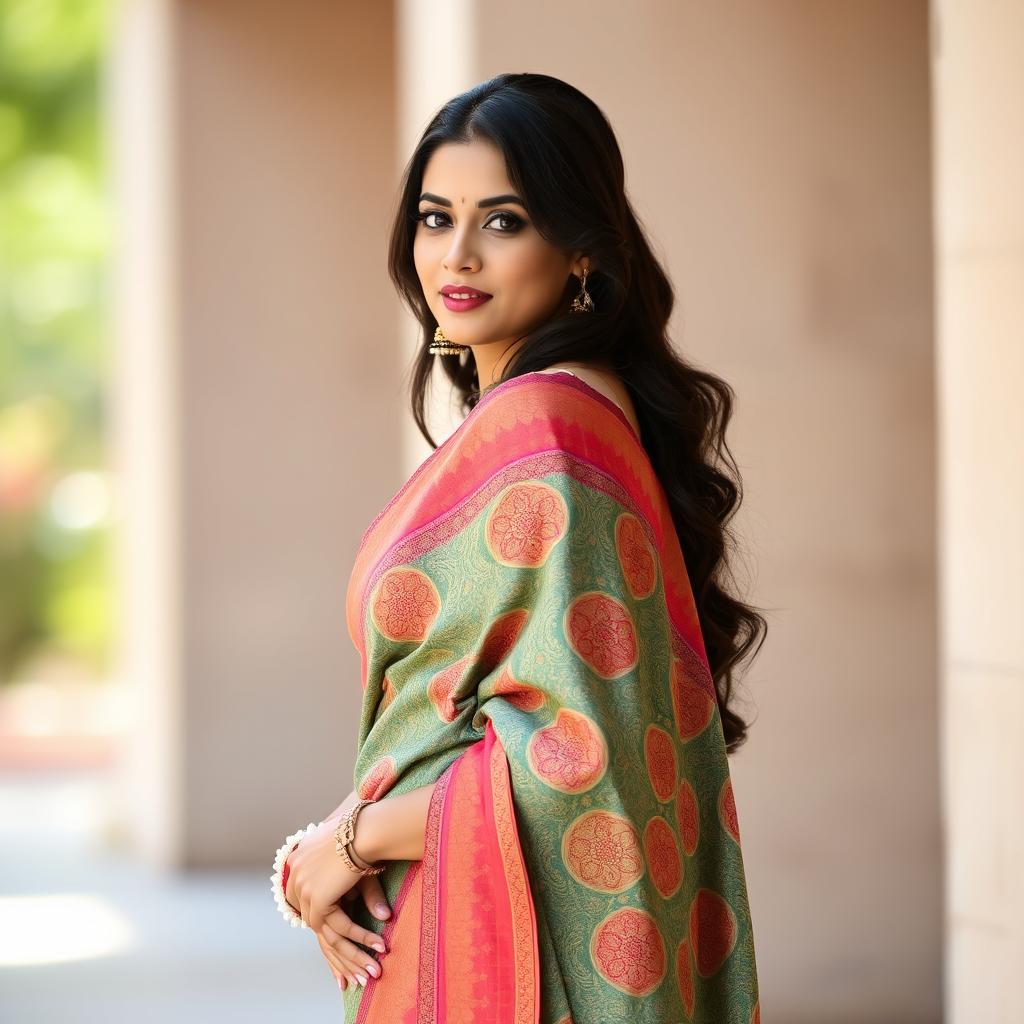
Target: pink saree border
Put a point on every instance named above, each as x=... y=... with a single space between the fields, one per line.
x=567 y=377
x=430 y=927
x=524 y=916
x=486 y=833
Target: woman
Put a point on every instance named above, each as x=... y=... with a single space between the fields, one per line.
x=546 y=652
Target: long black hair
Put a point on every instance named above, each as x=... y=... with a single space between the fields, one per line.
x=562 y=157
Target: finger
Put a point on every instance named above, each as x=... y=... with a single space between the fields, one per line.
x=373 y=895
x=355 y=959
x=349 y=970
x=336 y=963
x=340 y=922
x=338 y=976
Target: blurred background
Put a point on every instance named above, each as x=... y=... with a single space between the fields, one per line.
x=203 y=404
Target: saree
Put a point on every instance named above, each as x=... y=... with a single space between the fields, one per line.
x=529 y=644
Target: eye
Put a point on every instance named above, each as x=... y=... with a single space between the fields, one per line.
x=514 y=223
x=429 y=213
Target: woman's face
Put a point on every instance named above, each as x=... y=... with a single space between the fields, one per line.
x=491 y=248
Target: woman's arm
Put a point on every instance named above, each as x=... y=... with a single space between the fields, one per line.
x=393 y=827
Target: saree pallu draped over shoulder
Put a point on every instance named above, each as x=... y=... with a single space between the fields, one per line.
x=529 y=642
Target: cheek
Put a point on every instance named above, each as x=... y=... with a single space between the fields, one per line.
x=532 y=275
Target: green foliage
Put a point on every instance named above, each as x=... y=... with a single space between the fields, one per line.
x=55 y=243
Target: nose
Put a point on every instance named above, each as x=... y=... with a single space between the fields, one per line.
x=460 y=255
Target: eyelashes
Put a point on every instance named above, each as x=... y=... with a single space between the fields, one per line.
x=516 y=223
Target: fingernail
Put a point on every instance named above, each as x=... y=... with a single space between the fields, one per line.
x=383 y=910
x=341 y=988
x=362 y=979
x=380 y=946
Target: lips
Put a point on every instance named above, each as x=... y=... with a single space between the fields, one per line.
x=453 y=289
x=476 y=298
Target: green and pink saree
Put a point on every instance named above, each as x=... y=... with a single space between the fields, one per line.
x=529 y=642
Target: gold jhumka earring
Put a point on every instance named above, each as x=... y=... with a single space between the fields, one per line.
x=444 y=346
x=587 y=303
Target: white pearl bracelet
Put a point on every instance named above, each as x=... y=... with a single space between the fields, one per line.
x=275 y=879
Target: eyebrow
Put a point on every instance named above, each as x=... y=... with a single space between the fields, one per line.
x=429 y=197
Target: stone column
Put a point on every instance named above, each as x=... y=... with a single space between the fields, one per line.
x=978 y=80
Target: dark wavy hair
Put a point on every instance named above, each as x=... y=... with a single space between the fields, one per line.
x=562 y=157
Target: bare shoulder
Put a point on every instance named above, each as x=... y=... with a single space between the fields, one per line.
x=604 y=380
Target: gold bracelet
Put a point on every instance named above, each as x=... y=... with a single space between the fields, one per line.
x=344 y=837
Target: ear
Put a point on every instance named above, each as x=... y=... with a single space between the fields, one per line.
x=579 y=261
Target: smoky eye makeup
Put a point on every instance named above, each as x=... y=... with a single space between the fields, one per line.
x=513 y=222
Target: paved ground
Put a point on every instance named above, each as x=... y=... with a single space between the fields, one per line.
x=87 y=936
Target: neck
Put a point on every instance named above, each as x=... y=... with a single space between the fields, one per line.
x=491 y=360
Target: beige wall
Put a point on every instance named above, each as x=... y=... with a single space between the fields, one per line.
x=274 y=418
x=979 y=260
x=288 y=364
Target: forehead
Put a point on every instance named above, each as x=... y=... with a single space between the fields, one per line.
x=466 y=171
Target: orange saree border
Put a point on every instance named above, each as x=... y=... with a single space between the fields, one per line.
x=463 y=937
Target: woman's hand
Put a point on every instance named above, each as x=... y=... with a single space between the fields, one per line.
x=325 y=883
x=372 y=892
